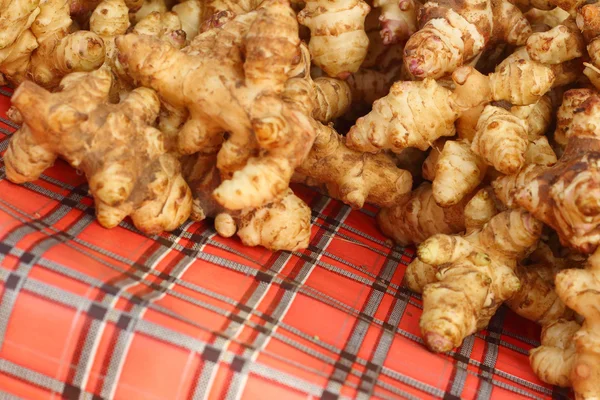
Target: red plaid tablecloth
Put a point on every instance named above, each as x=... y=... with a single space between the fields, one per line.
x=90 y=313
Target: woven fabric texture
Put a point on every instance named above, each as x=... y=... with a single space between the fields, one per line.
x=90 y=313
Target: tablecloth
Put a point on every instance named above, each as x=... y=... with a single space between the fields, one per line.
x=91 y=313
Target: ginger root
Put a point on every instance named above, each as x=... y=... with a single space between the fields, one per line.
x=379 y=70
x=538 y=158
x=398 y=19
x=587 y=21
x=501 y=139
x=109 y=20
x=540 y=152
x=283 y=224
x=323 y=98
x=451 y=35
x=566 y=196
x=148 y=7
x=477 y=212
x=563 y=42
x=458 y=171
x=267 y=137
x=394 y=125
x=338 y=42
x=538 y=116
x=536 y=300
x=579 y=289
x=235 y=6
x=505 y=187
x=572 y=100
x=16 y=18
x=475 y=275
x=417 y=217
x=47 y=51
x=553 y=360
x=353 y=177
x=122 y=155
x=191 y=14
x=165 y=26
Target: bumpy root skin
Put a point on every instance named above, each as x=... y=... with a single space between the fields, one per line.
x=417 y=113
x=418 y=217
x=572 y=100
x=15 y=60
x=510 y=25
x=466 y=124
x=190 y=13
x=451 y=35
x=536 y=300
x=478 y=211
x=458 y=171
x=50 y=26
x=448 y=37
x=501 y=139
x=579 y=289
x=351 y=176
x=268 y=137
x=128 y=170
x=538 y=116
x=587 y=21
x=419 y=274
x=338 y=42
x=561 y=43
x=475 y=275
x=553 y=361
x=393 y=125
x=282 y=225
x=17 y=16
x=506 y=187
x=165 y=25
x=333 y=98
x=540 y=152
x=566 y=196
x=80 y=51
x=398 y=19
x=520 y=81
x=148 y=7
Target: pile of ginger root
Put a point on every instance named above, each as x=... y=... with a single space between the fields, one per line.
x=472 y=126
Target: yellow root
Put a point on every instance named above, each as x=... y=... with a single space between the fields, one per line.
x=475 y=275
x=565 y=197
x=128 y=170
x=418 y=217
x=553 y=361
x=501 y=140
x=458 y=171
x=338 y=43
x=579 y=289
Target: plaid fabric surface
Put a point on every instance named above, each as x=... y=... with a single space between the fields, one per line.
x=90 y=313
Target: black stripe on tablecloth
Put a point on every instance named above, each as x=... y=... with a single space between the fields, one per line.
x=154 y=331
x=487 y=368
x=374 y=367
x=284 y=296
x=361 y=326
x=35 y=251
x=362 y=362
